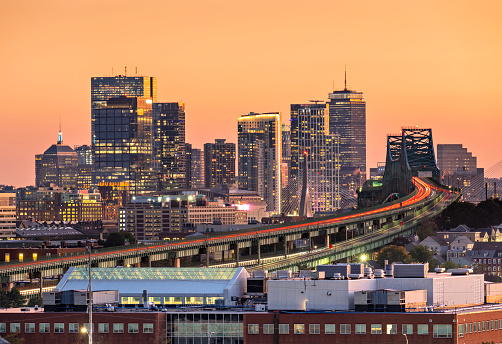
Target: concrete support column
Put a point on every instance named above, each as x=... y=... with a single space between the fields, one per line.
x=10 y=285
x=286 y=247
x=177 y=262
x=207 y=257
x=236 y=250
x=149 y=261
x=223 y=256
x=259 y=251
x=138 y=265
x=250 y=250
x=41 y=283
x=326 y=240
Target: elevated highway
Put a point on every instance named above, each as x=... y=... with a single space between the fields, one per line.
x=374 y=226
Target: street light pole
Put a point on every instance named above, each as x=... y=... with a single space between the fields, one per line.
x=90 y=297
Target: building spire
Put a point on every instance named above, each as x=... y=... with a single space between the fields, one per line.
x=60 y=135
x=345 y=77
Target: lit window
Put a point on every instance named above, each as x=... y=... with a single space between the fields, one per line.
x=376 y=328
x=391 y=329
x=253 y=329
x=299 y=329
x=58 y=327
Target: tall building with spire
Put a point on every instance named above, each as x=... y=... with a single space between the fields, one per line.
x=259 y=156
x=347 y=118
x=57 y=166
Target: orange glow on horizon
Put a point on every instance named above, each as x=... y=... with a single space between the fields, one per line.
x=432 y=63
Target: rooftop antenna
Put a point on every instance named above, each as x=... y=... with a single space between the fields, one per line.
x=136 y=71
x=60 y=135
x=125 y=70
x=345 y=77
x=112 y=71
x=333 y=85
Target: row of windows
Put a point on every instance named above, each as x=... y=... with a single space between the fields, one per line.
x=75 y=327
x=481 y=326
x=422 y=329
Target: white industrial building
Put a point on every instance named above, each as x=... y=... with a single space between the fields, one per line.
x=443 y=290
x=163 y=286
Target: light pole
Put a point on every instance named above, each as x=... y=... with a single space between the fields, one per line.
x=209 y=339
x=90 y=298
x=406 y=337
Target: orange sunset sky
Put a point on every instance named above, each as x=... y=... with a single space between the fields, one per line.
x=434 y=64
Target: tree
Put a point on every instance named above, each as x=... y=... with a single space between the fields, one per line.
x=35 y=301
x=400 y=241
x=13 y=338
x=119 y=239
x=450 y=265
x=393 y=254
x=421 y=254
x=433 y=264
x=457 y=213
x=427 y=229
x=10 y=299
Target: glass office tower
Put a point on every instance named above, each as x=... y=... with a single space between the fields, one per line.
x=312 y=142
x=259 y=163
x=347 y=118
x=169 y=144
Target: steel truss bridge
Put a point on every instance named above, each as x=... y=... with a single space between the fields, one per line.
x=375 y=227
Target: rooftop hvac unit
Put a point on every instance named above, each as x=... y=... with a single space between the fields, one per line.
x=459 y=271
x=330 y=270
x=283 y=274
x=317 y=275
x=411 y=270
x=260 y=274
x=259 y=307
x=305 y=274
x=379 y=273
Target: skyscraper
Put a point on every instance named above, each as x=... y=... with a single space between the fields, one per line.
x=169 y=142
x=197 y=169
x=121 y=131
x=219 y=163
x=259 y=163
x=122 y=146
x=57 y=166
x=311 y=141
x=347 y=118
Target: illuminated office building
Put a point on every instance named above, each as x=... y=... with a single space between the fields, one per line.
x=259 y=163
x=169 y=144
x=104 y=88
x=219 y=163
x=85 y=167
x=7 y=216
x=57 y=166
x=123 y=143
x=197 y=168
x=347 y=118
x=286 y=155
x=311 y=139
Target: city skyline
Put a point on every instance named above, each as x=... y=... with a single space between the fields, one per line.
x=428 y=65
